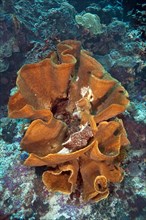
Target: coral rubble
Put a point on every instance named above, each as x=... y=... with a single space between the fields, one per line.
x=88 y=95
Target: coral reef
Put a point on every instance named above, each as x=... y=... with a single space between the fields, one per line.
x=87 y=91
x=29 y=31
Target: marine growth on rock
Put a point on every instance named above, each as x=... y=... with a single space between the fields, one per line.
x=72 y=103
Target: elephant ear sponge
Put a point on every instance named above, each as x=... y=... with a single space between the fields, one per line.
x=73 y=105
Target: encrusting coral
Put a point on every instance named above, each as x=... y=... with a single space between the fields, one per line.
x=72 y=103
